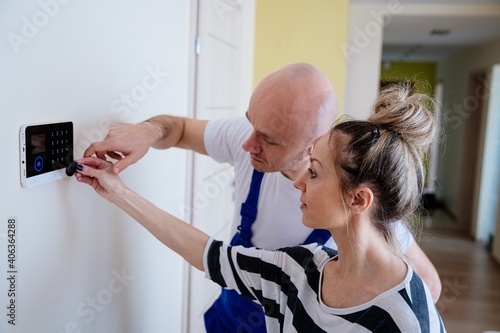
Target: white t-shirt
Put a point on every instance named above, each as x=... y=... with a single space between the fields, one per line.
x=279 y=219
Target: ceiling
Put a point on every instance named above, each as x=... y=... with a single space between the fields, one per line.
x=451 y=2
x=407 y=37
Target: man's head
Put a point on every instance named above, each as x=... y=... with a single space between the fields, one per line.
x=289 y=110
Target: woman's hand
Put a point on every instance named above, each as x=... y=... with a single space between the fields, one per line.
x=98 y=174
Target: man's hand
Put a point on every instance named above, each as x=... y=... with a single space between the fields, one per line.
x=126 y=143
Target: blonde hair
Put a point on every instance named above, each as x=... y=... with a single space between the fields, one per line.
x=385 y=154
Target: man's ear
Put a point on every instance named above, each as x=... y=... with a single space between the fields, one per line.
x=361 y=200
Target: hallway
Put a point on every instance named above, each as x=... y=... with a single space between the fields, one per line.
x=470 y=298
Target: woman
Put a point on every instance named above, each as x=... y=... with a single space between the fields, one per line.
x=363 y=176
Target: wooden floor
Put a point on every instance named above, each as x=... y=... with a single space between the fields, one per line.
x=470 y=298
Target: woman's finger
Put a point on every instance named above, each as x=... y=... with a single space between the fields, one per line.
x=83 y=179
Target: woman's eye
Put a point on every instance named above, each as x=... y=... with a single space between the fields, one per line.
x=312 y=174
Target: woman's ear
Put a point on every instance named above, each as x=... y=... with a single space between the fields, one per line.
x=310 y=149
x=311 y=146
x=362 y=199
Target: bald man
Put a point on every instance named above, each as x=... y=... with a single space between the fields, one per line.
x=269 y=148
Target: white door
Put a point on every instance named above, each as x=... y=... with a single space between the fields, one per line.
x=223 y=86
x=490 y=171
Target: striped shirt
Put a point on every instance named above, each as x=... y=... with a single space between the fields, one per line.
x=287 y=283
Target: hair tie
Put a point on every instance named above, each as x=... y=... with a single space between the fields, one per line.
x=375 y=133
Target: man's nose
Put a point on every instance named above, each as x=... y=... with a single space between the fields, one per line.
x=252 y=145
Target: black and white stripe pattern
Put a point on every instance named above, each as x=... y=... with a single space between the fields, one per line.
x=287 y=283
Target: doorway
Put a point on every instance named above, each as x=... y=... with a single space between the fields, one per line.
x=489 y=188
x=473 y=117
x=221 y=86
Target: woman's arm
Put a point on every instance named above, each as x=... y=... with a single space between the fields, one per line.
x=425 y=269
x=179 y=236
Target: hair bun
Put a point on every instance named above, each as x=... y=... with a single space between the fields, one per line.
x=400 y=110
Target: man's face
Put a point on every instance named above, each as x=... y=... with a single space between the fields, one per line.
x=275 y=144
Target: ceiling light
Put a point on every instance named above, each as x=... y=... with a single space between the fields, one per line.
x=440 y=32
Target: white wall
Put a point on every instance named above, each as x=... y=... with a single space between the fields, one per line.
x=363 y=53
x=84 y=57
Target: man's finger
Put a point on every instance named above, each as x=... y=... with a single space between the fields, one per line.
x=101 y=155
x=97 y=148
x=92 y=162
x=90 y=150
x=121 y=165
x=114 y=155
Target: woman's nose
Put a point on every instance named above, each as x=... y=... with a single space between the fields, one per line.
x=300 y=183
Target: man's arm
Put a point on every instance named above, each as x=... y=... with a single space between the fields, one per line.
x=179 y=132
x=128 y=143
x=425 y=269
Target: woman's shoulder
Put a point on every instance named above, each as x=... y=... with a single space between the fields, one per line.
x=416 y=301
x=310 y=257
x=310 y=250
x=407 y=307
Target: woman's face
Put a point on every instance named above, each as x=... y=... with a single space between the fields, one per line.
x=322 y=203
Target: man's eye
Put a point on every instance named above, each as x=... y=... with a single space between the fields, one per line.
x=269 y=142
x=312 y=174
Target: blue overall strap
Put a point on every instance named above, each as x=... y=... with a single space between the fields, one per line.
x=318 y=236
x=248 y=212
x=232 y=312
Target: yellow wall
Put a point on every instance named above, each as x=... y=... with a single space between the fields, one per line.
x=289 y=31
x=423 y=74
